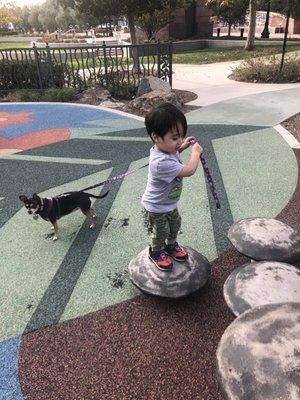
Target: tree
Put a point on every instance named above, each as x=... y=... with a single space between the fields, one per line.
x=252 y=25
x=51 y=15
x=290 y=8
x=152 y=23
x=8 y=14
x=23 y=24
x=277 y=6
x=232 y=12
x=282 y=6
x=33 y=19
x=132 y=9
x=252 y=19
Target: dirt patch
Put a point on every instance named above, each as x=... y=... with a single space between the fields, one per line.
x=293 y=125
x=184 y=95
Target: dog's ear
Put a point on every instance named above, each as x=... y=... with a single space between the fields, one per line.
x=36 y=197
x=23 y=198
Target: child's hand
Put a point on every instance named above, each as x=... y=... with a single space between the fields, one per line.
x=197 y=148
x=187 y=142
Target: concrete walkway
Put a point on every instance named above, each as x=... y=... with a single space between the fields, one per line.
x=247 y=110
x=211 y=83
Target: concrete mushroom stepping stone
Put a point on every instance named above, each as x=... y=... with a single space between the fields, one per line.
x=258 y=355
x=185 y=277
x=266 y=239
x=261 y=283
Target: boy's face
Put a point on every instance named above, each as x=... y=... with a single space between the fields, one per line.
x=171 y=142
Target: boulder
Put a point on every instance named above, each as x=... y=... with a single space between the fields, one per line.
x=94 y=96
x=152 y=83
x=111 y=103
x=153 y=99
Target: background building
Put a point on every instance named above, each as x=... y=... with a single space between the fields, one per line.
x=192 y=22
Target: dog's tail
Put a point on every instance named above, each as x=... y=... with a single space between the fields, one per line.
x=98 y=197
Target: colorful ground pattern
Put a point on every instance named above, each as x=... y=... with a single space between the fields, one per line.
x=72 y=326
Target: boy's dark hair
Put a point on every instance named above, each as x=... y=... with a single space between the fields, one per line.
x=164 y=119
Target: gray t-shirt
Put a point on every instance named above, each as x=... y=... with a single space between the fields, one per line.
x=163 y=188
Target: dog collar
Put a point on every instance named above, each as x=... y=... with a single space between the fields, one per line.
x=47 y=205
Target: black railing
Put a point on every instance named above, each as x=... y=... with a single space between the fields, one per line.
x=81 y=66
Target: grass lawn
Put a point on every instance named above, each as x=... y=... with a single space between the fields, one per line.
x=204 y=56
x=210 y=56
x=226 y=37
x=14 y=45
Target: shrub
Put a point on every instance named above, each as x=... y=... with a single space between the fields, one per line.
x=120 y=86
x=59 y=95
x=56 y=95
x=126 y=91
x=23 y=95
x=24 y=75
x=267 y=69
x=8 y=33
x=48 y=39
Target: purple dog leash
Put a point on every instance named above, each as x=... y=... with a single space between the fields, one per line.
x=210 y=182
x=207 y=173
x=209 y=179
x=116 y=178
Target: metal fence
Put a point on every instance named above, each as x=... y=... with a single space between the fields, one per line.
x=81 y=66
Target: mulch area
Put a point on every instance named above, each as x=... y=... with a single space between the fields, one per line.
x=293 y=125
x=291 y=213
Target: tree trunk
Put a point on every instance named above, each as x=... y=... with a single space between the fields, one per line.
x=131 y=26
x=229 y=29
x=134 y=50
x=252 y=23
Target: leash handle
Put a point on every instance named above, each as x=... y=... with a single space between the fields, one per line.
x=209 y=178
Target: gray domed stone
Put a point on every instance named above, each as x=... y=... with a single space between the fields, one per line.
x=266 y=239
x=261 y=283
x=258 y=355
x=185 y=277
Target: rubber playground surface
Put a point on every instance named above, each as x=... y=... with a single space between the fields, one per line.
x=72 y=325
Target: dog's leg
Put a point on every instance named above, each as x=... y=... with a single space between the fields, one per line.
x=93 y=213
x=91 y=216
x=55 y=233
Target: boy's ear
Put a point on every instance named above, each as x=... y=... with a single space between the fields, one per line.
x=154 y=136
x=23 y=198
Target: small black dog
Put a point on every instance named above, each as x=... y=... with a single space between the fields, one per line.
x=53 y=208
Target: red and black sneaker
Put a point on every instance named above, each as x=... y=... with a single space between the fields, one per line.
x=175 y=251
x=160 y=260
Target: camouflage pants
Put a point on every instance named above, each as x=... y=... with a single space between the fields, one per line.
x=163 y=227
